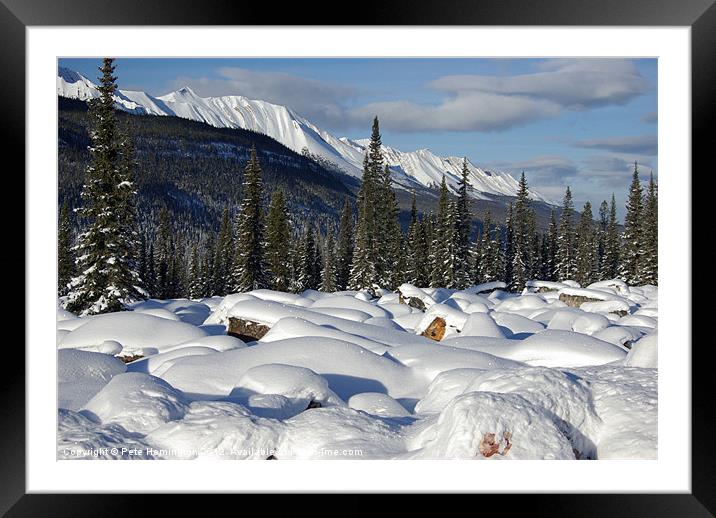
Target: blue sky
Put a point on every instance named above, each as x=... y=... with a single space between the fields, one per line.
x=576 y=122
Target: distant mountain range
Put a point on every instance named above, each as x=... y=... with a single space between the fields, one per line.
x=411 y=170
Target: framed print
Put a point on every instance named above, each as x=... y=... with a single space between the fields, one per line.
x=371 y=252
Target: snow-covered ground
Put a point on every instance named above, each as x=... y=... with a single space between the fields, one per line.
x=341 y=375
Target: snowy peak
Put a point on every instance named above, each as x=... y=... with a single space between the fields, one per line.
x=410 y=169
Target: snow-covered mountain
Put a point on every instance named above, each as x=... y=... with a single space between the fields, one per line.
x=410 y=169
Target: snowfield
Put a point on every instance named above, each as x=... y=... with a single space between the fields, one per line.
x=557 y=372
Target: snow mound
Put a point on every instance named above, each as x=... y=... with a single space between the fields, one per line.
x=463 y=429
x=301 y=386
x=481 y=324
x=217 y=430
x=137 y=401
x=348 y=368
x=81 y=438
x=81 y=374
x=644 y=353
x=137 y=332
x=378 y=404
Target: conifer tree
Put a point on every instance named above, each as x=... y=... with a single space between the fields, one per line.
x=463 y=224
x=306 y=278
x=632 y=251
x=195 y=284
x=151 y=281
x=207 y=266
x=390 y=242
x=108 y=279
x=521 y=231
x=249 y=268
x=649 y=266
x=344 y=252
x=223 y=256
x=565 y=267
x=610 y=263
x=277 y=243
x=585 y=256
x=411 y=273
x=552 y=248
x=328 y=273
x=164 y=256
x=509 y=246
x=602 y=236
x=65 y=256
x=442 y=256
x=364 y=274
x=487 y=259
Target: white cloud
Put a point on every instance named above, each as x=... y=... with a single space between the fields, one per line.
x=482 y=103
x=641 y=144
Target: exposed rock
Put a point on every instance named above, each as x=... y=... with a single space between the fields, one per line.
x=314 y=404
x=413 y=302
x=131 y=358
x=246 y=330
x=271 y=457
x=489 y=446
x=436 y=329
x=576 y=300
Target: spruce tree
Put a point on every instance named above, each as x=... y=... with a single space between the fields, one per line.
x=487 y=259
x=411 y=272
x=108 y=279
x=328 y=273
x=307 y=278
x=164 y=256
x=565 y=266
x=649 y=267
x=552 y=248
x=207 y=266
x=223 y=256
x=602 y=237
x=442 y=254
x=509 y=246
x=364 y=274
x=65 y=256
x=151 y=281
x=344 y=252
x=248 y=269
x=277 y=243
x=521 y=231
x=612 y=245
x=586 y=252
x=195 y=281
x=390 y=242
x=632 y=251
x=463 y=225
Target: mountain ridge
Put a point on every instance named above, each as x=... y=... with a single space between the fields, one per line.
x=410 y=170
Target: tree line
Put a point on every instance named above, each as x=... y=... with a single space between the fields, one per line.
x=111 y=263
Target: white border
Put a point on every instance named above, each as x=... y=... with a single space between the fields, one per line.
x=671 y=472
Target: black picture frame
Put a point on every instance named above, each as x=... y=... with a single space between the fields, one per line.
x=700 y=15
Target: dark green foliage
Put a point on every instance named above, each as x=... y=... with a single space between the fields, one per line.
x=565 y=266
x=649 y=267
x=278 y=235
x=65 y=256
x=586 y=250
x=249 y=272
x=224 y=251
x=632 y=251
x=612 y=242
x=108 y=279
x=463 y=224
x=328 y=273
x=344 y=252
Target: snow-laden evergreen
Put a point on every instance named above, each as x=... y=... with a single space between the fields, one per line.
x=249 y=268
x=108 y=277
